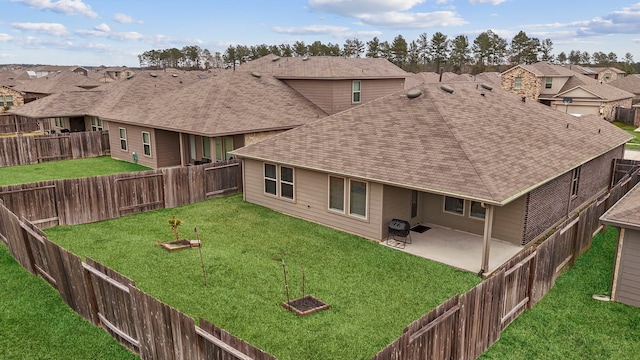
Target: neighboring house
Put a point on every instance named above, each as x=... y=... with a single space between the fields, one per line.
x=625 y=215
x=413 y=80
x=55 y=83
x=565 y=90
x=458 y=155
x=602 y=74
x=110 y=74
x=46 y=70
x=333 y=83
x=630 y=83
x=10 y=98
x=162 y=119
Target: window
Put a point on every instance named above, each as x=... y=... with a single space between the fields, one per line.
x=355 y=90
x=59 y=122
x=146 y=143
x=336 y=193
x=354 y=198
x=477 y=210
x=282 y=185
x=517 y=83
x=414 y=204
x=206 y=147
x=575 y=181
x=548 y=83
x=224 y=145
x=454 y=205
x=123 y=138
x=607 y=76
x=358 y=198
x=8 y=99
x=96 y=124
x=1 y=101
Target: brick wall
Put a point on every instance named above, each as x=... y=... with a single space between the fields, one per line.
x=529 y=86
x=609 y=108
x=551 y=202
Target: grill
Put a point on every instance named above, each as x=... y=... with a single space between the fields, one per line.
x=399 y=229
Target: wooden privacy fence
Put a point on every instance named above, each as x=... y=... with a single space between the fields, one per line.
x=25 y=150
x=108 y=299
x=10 y=123
x=465 y=326
x=56 y=202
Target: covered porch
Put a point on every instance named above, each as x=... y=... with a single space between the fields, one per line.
x=456 y=248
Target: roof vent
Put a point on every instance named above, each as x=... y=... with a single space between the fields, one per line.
x=446 y=88
x=275 y=58
x=174 y=75
x=412 y=94
x=305 y=58
x=523 y=99
x=256 y=74
x=153 y=74
x=487 y=86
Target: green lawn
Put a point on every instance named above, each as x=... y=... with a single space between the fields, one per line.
x=633 y=144
x=569 y=324
x=65 y=169
x=374 y=291
x=36 y=324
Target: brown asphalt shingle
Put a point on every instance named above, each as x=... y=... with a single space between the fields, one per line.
x=490 y=147
x=626 y=212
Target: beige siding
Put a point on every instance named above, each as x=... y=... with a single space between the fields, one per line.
x=311 y=201
x=628 y=274
x=333 y=96
x=134 y=144
x=580 y=93
x=508 y=222
x=556 y=85
x=397 y=205
x=168 y=148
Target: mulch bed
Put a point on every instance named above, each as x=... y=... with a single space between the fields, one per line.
x=179 y=244
x=305 y=305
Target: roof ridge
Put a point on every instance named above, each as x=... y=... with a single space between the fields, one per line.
x=462 y=146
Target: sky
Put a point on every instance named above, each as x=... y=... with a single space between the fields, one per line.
x=115 y=32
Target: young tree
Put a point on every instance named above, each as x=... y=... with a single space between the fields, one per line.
x=413 y=58
x=373 y=48
x=439 y=49
x=230 y=57
x=460 y=55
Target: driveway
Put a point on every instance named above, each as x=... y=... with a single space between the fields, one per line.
x=632 y=154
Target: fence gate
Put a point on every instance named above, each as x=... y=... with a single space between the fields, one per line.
x=517 y=286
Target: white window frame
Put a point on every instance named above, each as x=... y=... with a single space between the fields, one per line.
x=366 y=199
x=279 y=182
x=575 y=181
x=355 y=92
x=96 y=124
x=8 y=100
x=548 y=82
x=517 y=83
x=146 y=145
x=206 y=147
x=123 y=140
x=471 y=215
x=1 y=101
x=344 y=194
x=444 y=206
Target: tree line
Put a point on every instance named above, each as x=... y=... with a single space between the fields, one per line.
x=487 y=52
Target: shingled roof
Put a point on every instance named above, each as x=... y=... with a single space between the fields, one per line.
x=601 y=90
x=56 y=83
x=221 y=103
x=626 y=212
x=472 y=143
x=324 y=67
x=630 y=83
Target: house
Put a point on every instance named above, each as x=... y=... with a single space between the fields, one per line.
x=625 y=215
x=46 y=70
x=162 y=119
x=333 y=83
x=10 y=98
x=630 y=83
x=55 y=83
x=109 y=74
x=460 y=155
x=602 y=74
x=565 y=90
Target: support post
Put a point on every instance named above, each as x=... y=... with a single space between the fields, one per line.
x=488 y=227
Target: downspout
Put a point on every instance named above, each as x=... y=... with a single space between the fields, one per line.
x=182 y=162
x=488 y=228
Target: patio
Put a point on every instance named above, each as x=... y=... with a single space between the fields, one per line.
x=455 y=248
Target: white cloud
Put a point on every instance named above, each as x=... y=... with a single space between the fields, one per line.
x=625 y=21
x=356 y=8
x=47 y=28
x=492 y=2
x=311 y=30
x=413 y=20
x=102 y=27
x=67 y=7
x=5 y=37
x=119 y=36
x=125 y=19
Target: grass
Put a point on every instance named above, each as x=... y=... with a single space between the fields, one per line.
x=568 y=323
x=36 y=324
x=633 y=144
x=65 y=169
x=374 y=291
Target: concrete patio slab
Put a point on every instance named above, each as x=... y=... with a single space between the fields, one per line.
x=455 y=248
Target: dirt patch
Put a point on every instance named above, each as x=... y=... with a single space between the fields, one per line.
x=305 y=305
x=179 y=244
